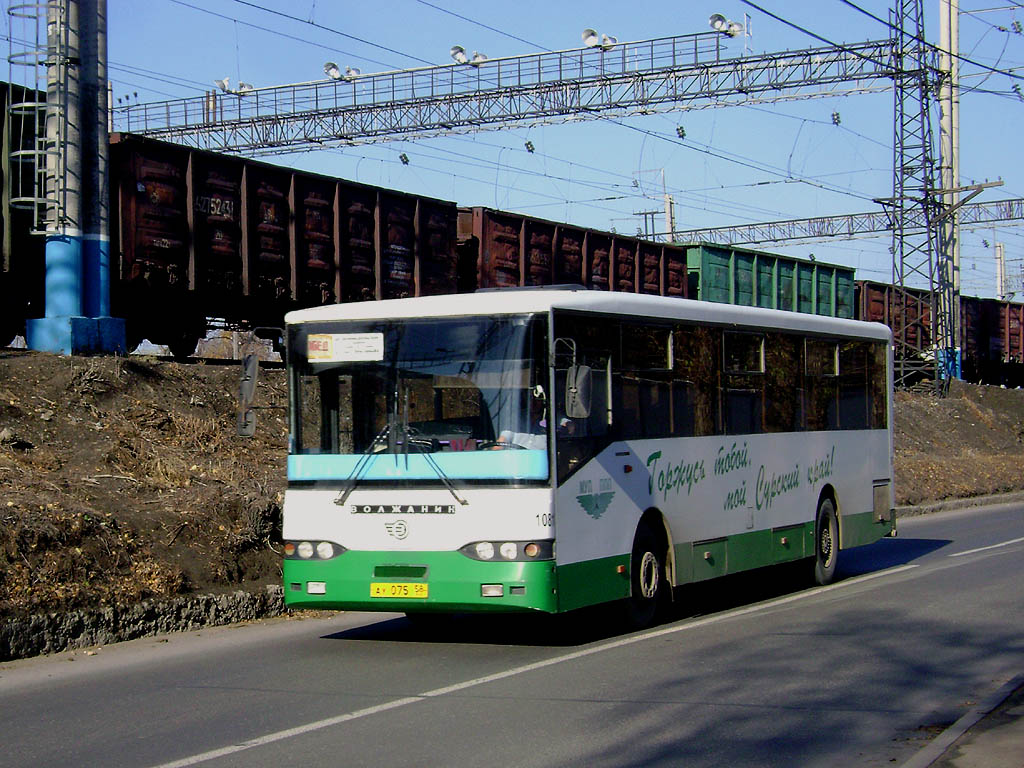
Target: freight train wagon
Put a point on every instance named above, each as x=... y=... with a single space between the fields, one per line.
x=203 y=235
x=991 y=330
x=197 y=235
x=751 y=278
x=510 y=249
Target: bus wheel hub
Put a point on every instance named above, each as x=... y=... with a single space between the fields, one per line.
x=649 y=575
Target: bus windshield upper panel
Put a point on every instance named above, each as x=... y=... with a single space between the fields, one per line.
x=441 y=397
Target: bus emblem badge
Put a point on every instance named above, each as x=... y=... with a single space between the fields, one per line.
x=595 y=504
x=398 y=529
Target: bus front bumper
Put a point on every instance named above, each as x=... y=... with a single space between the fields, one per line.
x=438 y=582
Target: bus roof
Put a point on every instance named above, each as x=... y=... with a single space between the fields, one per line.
x=517 y=301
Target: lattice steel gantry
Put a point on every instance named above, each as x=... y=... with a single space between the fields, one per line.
x=672 y=73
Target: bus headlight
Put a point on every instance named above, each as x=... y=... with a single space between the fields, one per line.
x=485 y=550
x=312 y=550
x=518 y=551
x=325 y=550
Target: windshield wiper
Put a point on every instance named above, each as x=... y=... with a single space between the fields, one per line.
x=432 y=462
x=364 y=461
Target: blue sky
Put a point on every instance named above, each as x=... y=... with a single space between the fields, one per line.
x=599 y=174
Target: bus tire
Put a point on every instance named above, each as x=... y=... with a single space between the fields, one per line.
x=826 y=542
x=647 y=578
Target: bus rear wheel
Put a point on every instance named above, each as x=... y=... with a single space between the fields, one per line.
x=826 y=543
x=647 y=578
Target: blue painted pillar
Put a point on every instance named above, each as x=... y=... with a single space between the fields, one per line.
x=63 y=275
x=96 y=277
x=77 y=317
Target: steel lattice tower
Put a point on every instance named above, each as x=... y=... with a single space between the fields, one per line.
x=919 y=254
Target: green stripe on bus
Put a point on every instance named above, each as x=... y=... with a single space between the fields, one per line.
x=453 y=583
x=592 y=581
x=861 y=528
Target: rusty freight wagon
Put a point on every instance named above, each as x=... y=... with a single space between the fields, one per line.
x=992 y=340
x=201 y=235
x=501 y=249
x=991 y=330
x=878 y=303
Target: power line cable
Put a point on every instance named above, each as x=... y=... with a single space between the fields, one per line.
x=746 y=162
x=131 y=68
x=279 y=33
x=481 y=24
x=934 y=47
x=334 y=31
x=499 y=31
x=816 y=36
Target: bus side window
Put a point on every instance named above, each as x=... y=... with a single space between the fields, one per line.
x=784 y=394
x=655 y=407
x=642 y=407
x=684 y=420
x=695 y=391
x=743 y=383
x=878 y=385
x=820 y=381
x=853 y=385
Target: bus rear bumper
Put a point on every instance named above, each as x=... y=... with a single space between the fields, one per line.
x=438 y=582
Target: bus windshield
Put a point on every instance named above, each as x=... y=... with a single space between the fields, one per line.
x=462 y=398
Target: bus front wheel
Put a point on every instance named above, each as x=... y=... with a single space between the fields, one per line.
x=647 y=578
x=826 y=543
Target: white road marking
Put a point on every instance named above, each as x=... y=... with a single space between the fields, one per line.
x=299 y=730
x=985 y=549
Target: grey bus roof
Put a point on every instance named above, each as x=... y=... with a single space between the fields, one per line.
x=516 y=302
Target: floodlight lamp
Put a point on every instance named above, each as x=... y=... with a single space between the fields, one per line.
x=351 y=73
x=244 y=87
x=478 y=59
x=223 y=84
x=608 y=42
x=719 y=23
x=332 y=70
x=590 y=38
x=458 y=54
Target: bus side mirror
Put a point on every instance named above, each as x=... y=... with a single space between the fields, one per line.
x=247 y=395
x=577 y=392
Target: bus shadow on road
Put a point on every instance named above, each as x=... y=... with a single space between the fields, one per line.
x=540 y=630
x=590 y=625
x=886 y=553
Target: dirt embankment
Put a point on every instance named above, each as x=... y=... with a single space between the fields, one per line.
x=122 y=479
x=970 y=443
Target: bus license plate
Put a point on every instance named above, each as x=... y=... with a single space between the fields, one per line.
x=415 y=590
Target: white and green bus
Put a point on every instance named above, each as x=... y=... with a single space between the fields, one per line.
x=549 y=449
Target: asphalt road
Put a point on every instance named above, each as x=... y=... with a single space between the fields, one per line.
x=757 y=670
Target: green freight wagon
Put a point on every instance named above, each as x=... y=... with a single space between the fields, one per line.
x=757 y=279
